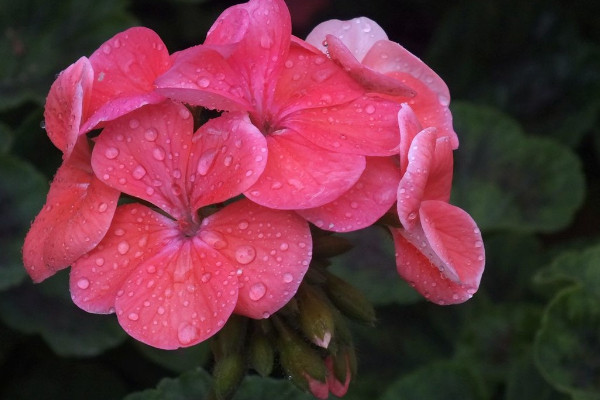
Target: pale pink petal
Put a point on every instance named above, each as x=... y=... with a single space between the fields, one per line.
x=317 y=388
x=311 y=80
x=145 y=154
x=364 y=203
x=369 y=79
x=365 y=126
x=301 y=175
x=412 y=187
x=271 y=249
x=67 y=103
x=358 y=35
x=229 y=155
x=187 y=300
x=260 y=51
x=125 y=68
x=439 y=183
x=77 y=214
x=337 y=387
x=136 y=235
x=432 y=98
x=409 y=128
x=201 y=76
x=455 y=238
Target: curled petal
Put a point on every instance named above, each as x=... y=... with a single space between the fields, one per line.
x=358 y=35
x=432 y=95
x=364 y=203
x=301 y=175
x=125 y=68
x=78 y=211
x=365 y=126
x=67 y=103
x=270 y=248
x=409 y=128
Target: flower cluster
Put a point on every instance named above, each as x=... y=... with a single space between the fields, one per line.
x=189 y=179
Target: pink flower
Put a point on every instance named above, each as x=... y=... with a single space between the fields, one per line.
x=332 y=384
x=174 y=279
x=319 y=123
x=363 y=49
x=439 y=250
x=79 y=207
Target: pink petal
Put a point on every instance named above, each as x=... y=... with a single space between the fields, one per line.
x=432 y=99
x=136 y=235
x=145 y=154
x=77 y=214
x=125 y=68
x=365 y=126
x=439 y=183
x=453 y=235
x=409 y=128
x=66 y=104
x=371 y=80
x=337 y=388
x=201 y=76
x=412 y=187
x=364 y=203
x=301 y=175
x=358 y=35
x=229 y=155
x=259 y=53
x=317 y=388
x=191 y=297
x=311 y=80
x=270 y=248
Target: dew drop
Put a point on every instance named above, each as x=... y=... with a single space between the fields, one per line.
x=83 y=283
x=206 y=277
x=213 y=239
x=266 y=42
x=158 y=153
x=370 y=109
x=287 y=277
x=139 y=172
x=245 y=254
x=123 y=247
x=99 y=261
x=203 y=82
x=160 y=310
x=206 y=160
x=102 y=207
x=187 y=333
x=111 y=153
x=133 y=316
x=151 y=134
x=243 y=225
x=284 y=246
x=257 y=291
x=134 y=123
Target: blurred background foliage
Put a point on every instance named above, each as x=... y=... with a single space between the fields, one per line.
x=525 y=81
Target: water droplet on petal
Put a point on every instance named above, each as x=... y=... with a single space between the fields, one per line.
x=151 y=134
x=123 y=247
x=134 y=123
x=287 y=277
x=158 y=153
x=111 y=153
x=243 y=225
x=133 y=316
x=284 y=246
x=206 y=160
x=187 y=333
x=257 y=291
x=206 y=277
x=266 y=42
x=214 y=239
x=83 y=283
x=139 y=172
x=203 y=82
x=102 y=207
x=245 y=254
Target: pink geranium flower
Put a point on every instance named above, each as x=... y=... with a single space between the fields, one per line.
x=439 y=250
x=319 y=123
x=79 y=207
x=174 y=275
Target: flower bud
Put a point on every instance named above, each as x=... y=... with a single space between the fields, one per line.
x=349 y=300
x=261 y=353
x=316 y=315
x=231 y=338
x=228 y=374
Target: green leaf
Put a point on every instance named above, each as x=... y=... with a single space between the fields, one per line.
x=507 y=180
x=525 y=382
x=443 y=380
x=22 y=194
x=41 y=38
x=568 y=343
x=47 y=309
x=194 y=384
x=371 y=267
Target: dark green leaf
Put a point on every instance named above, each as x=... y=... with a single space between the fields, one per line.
x=507 y=180
x=194 y=384
x=179 y=360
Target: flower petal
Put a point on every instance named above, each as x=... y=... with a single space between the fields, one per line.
x=77 y=214
x=136 y=235
x=365 y=126
x=201 y=76
x=125 y=68
x=358 y=35
x=455 y=238
x=67 y=103
x=191 y=297
x=301 y=175
x=364 y=203
x=145 y=154
x=229 y=155
x=432 y=98
x=409 y=128
x=271 y=248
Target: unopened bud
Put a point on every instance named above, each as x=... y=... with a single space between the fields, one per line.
x=230 y=338
x=316 y=315
x=261 y=353
x=349 y=300
x=228 y=374
x=300 y=361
